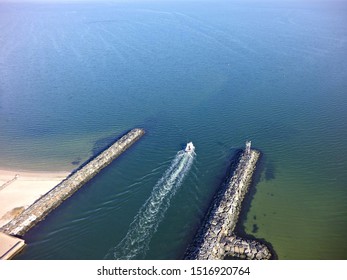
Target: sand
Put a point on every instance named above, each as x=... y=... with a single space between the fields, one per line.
x=10 y=246
x=18 y=190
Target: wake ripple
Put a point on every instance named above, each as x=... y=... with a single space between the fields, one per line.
x=136 y=242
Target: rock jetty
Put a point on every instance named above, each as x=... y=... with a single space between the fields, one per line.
x=42 y=207
x=216 y=240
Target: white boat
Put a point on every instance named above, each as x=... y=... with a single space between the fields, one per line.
x=189 y=148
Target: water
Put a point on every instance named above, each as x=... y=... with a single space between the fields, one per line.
x=136 y=242
x=75 y=76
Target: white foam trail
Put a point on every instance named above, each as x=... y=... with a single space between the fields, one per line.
x=136 y=242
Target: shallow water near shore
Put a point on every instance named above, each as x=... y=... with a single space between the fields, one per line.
x=73 y=77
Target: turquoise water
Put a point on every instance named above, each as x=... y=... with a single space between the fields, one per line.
x=75 y=76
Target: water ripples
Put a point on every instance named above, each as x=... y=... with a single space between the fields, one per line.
x=136 y=242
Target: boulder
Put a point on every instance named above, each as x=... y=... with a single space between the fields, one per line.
x=236 y=249
x=221 y=252
x=259 y=256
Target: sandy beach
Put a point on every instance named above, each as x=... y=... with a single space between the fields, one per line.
x=18 y=190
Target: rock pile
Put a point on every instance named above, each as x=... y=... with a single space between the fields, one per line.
x=240 y=248
x=216 y=238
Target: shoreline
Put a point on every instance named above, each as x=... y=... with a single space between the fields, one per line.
x=19 y=189
x=28 y=217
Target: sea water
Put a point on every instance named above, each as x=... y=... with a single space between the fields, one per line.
x=75 y=76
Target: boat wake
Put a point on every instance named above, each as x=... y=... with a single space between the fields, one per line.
x=136 y=242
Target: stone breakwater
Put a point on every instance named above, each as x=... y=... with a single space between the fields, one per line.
x=216 y=239
x=42 y=207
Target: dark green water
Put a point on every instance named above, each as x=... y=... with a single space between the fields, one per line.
x=75 y=76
